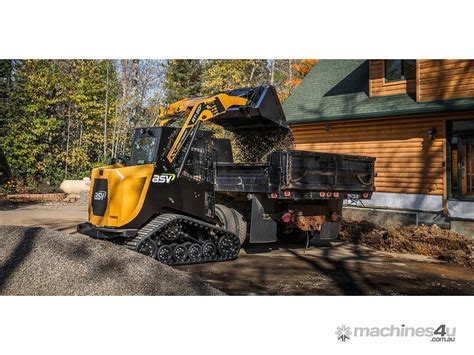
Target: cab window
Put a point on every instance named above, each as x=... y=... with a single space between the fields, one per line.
x=143 y=151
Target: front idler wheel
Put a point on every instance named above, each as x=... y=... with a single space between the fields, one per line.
x=164 y=254
x=148 y=247
x=228 y=246
x=180 y=253
x=209 y=250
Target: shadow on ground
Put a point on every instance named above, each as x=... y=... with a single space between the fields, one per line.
x=6 y=205
x=342 y=270
x=20 y=253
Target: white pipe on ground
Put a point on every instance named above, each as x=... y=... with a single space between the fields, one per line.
x=75 y=186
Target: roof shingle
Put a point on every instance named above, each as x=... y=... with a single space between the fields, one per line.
x=338 y=90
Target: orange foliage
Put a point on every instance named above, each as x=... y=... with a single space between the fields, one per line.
x=301 y=68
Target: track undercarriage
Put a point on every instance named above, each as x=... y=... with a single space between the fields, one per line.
x=175 y=239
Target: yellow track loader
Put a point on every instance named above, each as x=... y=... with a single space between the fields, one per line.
x=180 y=199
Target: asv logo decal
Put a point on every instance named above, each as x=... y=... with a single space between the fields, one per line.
x=163 y=178
x=100 y=195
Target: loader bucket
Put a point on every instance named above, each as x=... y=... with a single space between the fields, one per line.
x=263 y=111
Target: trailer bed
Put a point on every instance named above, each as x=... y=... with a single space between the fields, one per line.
x=300 y=174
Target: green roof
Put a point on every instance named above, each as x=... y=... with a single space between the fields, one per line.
x=338 y=90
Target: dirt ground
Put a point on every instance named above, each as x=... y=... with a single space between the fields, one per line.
x=344 y=269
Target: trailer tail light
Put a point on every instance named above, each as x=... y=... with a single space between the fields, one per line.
x=286 y=193
x=365 y=195
x=336 y=194
x=322 y=194
x=334 y=217
x=273 y=195
x=329 y=194
x=286 y=217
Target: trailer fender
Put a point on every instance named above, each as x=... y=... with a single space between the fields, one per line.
x=263 y=229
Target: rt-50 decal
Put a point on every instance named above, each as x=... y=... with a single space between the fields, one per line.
x=164 y=178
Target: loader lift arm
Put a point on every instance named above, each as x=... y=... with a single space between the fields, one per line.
x=196 y=110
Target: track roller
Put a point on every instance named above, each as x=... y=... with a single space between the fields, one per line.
x=180 y=253
x=194 y=252
x=209 y=250
x=164 y=254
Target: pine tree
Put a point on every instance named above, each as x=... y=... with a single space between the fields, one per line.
x=183 y=78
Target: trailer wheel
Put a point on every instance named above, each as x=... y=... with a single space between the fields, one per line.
x=232 y=220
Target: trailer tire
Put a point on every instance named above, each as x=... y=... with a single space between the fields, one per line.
x=232 y=220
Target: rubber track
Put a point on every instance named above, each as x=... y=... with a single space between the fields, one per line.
x=157 y=224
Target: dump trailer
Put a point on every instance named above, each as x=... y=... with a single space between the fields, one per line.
x=294 y=195
x=181 y=199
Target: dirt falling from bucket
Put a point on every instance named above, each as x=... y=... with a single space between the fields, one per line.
x=255 y=146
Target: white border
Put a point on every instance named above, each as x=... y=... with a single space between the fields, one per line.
x=224 y=325
x=232 y=29
x=235 y=29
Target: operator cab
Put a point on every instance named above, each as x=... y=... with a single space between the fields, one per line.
x=146 y=147
x=151 y=145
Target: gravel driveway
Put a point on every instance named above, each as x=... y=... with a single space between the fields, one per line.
x=279 y=269
x=37 y=261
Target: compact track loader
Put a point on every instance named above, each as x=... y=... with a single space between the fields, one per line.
x=181 y=199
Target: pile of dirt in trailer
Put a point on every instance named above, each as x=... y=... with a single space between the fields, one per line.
x=255 y=146
x=37 y=261
x=432 y=241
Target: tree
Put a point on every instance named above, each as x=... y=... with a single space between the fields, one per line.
x=60 y=118
x=6 y=72
x=300 y=69
x=56 y=125
x=182 y=78
x=140 y=95
x=226 y=74
x=281 y=74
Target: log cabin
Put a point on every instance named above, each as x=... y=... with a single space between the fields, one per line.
x=416 y=117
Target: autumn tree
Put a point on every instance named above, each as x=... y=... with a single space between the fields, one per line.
x=182 y=78
x=300 y=68
x=226 y=74
x=60 y=118
x=56 y=124
x=140 y=93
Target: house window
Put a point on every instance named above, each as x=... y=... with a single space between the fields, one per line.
x=400 y=69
